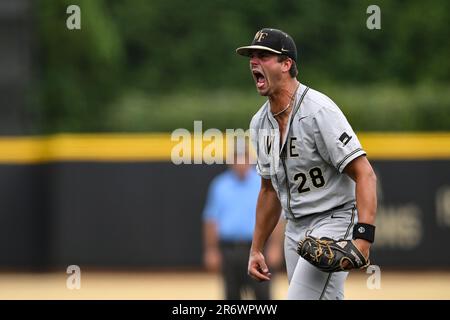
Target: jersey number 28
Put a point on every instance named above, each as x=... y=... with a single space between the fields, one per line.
x=316 y=177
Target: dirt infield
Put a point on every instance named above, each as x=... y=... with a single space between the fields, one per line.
x=203 y=286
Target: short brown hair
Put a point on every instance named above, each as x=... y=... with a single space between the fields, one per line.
x=293 y=71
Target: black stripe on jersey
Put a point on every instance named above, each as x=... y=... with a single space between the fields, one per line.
x=348 y=156
x=298 y=105
x=257 y=143
x=257 y=152
x=288 y=186
x=276 y=175
x=351 y=222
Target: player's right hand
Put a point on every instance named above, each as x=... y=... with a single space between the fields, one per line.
x=257 y=267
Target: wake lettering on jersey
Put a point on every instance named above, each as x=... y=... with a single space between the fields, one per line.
x=269 y=143
x=292 y=153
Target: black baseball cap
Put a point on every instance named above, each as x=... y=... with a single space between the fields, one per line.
x=272 y=40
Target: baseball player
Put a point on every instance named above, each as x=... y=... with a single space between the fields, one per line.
x=313 y=169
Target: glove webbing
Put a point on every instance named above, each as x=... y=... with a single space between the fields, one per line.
x=319 y=252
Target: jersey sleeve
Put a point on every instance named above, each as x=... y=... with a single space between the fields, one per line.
x=262 y=165
x=336 y=141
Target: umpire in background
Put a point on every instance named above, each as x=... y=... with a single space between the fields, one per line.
x=229 y=220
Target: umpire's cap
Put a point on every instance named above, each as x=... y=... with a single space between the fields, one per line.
x=272 y=40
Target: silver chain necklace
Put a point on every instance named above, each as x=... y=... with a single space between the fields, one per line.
x=289 y=104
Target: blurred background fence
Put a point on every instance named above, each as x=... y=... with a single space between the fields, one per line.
x=84 y=179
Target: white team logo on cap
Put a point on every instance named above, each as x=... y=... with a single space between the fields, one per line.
x=260 y=36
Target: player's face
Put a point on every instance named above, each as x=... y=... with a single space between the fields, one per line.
x=266 y=71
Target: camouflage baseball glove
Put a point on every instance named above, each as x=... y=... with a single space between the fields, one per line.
x=330 y=255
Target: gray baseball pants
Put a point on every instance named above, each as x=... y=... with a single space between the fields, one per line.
x=306 y=282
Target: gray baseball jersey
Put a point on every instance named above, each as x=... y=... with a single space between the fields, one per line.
x=306 y=166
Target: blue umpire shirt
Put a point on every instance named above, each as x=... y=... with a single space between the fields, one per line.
x=231 y=204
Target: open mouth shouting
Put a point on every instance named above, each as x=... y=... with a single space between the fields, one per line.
x=259 y=77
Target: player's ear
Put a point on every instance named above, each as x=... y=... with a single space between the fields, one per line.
x=286 y=64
